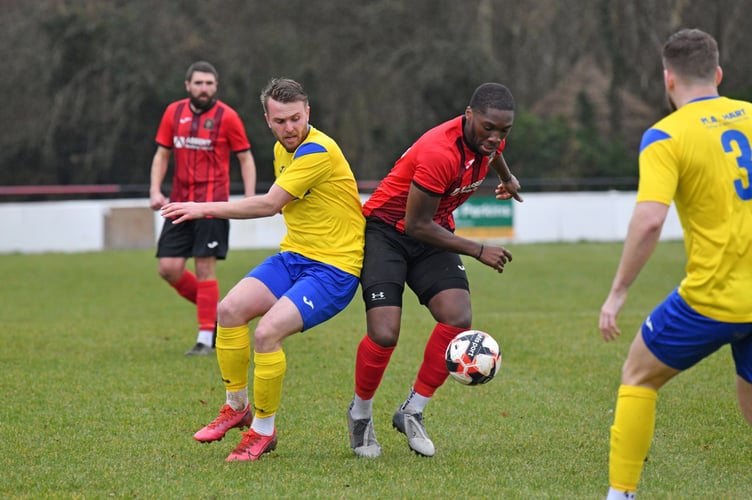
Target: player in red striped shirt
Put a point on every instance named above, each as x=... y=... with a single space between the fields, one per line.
x=200 y=131
x=410 y=240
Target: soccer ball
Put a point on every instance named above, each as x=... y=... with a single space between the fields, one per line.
x=473 y=357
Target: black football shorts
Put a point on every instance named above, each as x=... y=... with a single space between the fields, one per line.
x=194 y=238
x=393 y=259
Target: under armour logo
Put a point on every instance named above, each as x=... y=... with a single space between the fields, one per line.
x=212 y=244
x=378 y=296
x=307 y=301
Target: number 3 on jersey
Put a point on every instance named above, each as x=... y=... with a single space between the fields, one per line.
x=744 y=160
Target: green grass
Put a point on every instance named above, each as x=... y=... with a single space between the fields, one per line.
x=99 y=401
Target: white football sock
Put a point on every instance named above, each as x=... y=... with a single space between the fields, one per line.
x=414 y=402
x=205 y=337
x=620 y=495
x=263 y=425
x=360 y=408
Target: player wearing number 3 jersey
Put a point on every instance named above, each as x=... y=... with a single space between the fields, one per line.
x=699 y=157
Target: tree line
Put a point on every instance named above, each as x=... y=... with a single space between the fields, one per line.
x=88 y=80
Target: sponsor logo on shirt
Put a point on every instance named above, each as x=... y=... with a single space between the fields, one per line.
x=466 y=189
x=192 y=143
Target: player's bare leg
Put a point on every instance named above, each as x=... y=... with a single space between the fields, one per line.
x=744 y=396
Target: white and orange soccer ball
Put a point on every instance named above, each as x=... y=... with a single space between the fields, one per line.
x=473 y=357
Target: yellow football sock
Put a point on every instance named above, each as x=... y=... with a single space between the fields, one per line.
x=268 y=374
x=234 y=356
x=631 y=435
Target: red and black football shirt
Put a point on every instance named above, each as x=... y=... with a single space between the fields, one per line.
x=201 y=144
x=439 y=163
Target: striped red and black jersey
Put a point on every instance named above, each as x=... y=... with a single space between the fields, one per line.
x=201 y=144
x=441 y=164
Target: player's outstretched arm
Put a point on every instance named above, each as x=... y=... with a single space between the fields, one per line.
x=252 y=207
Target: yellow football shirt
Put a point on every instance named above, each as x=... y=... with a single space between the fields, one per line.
x=700 y=156
x=325 y=220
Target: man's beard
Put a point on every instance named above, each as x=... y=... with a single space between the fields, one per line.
x=200 y=105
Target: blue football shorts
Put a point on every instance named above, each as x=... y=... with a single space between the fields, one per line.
x=318 y=290
x=681 y=337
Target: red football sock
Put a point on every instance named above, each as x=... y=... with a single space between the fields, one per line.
x=433 y=372
x=370 y=365
x=187 y=286
x=207 y=297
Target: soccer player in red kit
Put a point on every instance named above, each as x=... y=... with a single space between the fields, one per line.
x=201 y=131
x=410 y=239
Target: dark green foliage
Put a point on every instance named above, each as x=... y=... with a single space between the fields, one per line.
x=553 y=153
x=87 y=81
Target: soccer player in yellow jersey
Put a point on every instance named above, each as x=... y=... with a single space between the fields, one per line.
x=699 y=157
x=312 y=278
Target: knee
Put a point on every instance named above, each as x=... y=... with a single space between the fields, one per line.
x=457 y=318
x=228 y=314
x=223 y=309
x=383 y=325
x=452 y=307
x=266 y=338
x=630 y=375
x=384 y=337
x=463 y=319
x=170 y=273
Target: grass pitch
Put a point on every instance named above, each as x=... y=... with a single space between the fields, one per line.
x=99 y=401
